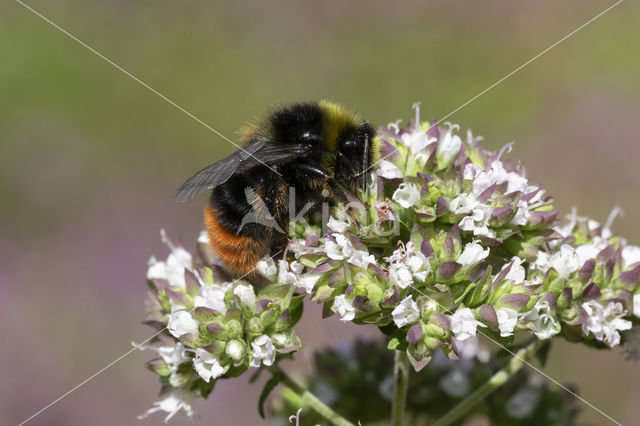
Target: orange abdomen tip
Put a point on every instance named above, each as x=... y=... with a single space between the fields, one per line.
x=239 y=253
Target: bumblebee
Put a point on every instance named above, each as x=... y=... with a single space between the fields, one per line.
x=320 y=149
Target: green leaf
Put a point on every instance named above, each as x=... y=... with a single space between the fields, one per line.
x=393 y=343
x=268 y=387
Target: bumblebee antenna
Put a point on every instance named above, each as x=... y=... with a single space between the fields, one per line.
x=365 y=161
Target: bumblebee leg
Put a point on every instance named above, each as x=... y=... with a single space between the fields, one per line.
x=320 y=177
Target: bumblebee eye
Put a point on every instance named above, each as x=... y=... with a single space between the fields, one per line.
x=349 y=145
x=310 y=138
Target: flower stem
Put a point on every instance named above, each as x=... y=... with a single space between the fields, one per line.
x=318 y=406
x=400 y=386
x=497 y=380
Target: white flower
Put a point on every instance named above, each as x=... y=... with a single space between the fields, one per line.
x=406 y=312
x=407 y=195
x=636 y=305
x=507 y=320
x=235 y=350
x=496 y=175
x=339 y=249
x=542 y=261
x=173 y=356
x=212 y=297
x=246 y=295
x=181 y=322
x=463 y=203
x=362 y=259
x=523 y=213
x=543 y=320
x=566 y=261
x=297 y=247
x=630 y=255
x=586 y=252
x=400 y=275
x=307 y=282
x=419 y=265
x=336 y=225
x=472 y=254
x=448 y=148
x=478 y=221
x=604 y=323
x=172 y=403
x=173 y=269
x=406 y=263
x=207 y=365
x=263 y=351
x=388 y=170
x=464 y=324
x=344 y=307
x=267 y=268
x=288 y=273
x=517 y=272
x=416 y=141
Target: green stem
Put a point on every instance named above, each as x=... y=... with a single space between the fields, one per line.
x=497 y=380
x=400 y=386
x=311 y=400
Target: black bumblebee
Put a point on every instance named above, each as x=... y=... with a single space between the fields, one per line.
x=320 y=149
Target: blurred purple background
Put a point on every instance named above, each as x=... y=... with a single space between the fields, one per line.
x=89 y=158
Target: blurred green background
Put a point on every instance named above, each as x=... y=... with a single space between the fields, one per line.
x=89 y=158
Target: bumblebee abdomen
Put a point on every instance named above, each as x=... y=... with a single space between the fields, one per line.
x=239 y=253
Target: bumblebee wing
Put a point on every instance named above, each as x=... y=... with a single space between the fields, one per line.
x=216 y=173
x=258 y=152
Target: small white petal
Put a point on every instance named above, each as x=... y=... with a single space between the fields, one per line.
x=207 y=365
x=406 y=312
x=336 y=225
x=630 y=255
x=180 y=323
x=464 y=324
x=566 y=261
x=407 y=195
x=388 y=170
x=344 y=307
x=263 y=351
x=246 y=295
x=448 y=148
x=472 y=254
x=507 y=320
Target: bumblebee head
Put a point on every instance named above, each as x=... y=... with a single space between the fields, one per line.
x=357 y=152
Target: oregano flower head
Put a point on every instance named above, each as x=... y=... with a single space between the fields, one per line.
x=450 y=241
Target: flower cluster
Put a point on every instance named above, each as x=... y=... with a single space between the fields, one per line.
x=212 y=326
x=453 y=240
x=450 y=240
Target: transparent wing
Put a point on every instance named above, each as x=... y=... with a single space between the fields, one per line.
x=258 y=152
